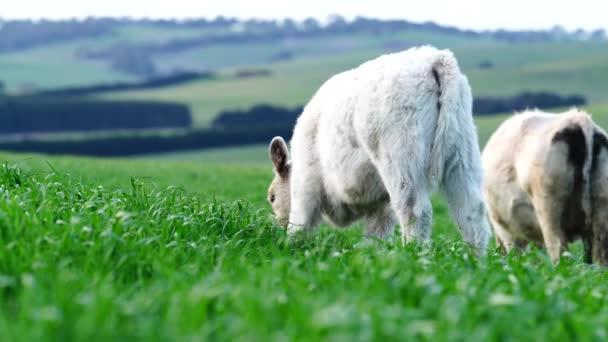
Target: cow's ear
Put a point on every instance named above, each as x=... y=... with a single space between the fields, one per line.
x=279 y=154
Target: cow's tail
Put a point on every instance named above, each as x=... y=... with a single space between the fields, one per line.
x=599 y=198
x=577 y=133
x=455 y=143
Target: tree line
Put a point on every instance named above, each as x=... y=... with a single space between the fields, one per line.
x=523 y=101
x=30 y=114
x=255 y=125
x=264 y=114
x=135 y=145
x=137 y=58
x=152 y=83
x=23 y=34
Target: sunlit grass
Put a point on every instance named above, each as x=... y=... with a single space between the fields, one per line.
x=87 y=252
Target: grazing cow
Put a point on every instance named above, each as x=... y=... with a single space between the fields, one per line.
x=374 y=142
x=546 y=182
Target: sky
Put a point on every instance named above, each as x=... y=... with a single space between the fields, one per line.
x=473 y=14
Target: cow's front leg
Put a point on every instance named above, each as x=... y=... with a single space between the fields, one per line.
x=305 y=213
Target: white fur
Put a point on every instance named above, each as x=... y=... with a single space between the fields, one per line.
x=373 y=144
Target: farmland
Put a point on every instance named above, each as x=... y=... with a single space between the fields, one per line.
x=578 y=69
x=182 y=246
x=564 y=67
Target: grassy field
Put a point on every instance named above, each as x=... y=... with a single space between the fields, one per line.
x=53 y=66
x=56 y=65
x=174 y=250
x=182 y=246
x=251 y=154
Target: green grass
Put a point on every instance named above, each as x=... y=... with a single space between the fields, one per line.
x=224 y=181
x=88 y=253
x=53 y=66
x=250 y=154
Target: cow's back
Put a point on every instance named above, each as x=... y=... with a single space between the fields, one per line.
x=356 y=107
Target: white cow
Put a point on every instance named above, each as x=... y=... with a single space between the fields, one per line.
x=547 y=183
x=374 y=142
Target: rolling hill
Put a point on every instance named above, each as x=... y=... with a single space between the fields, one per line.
x=295 y=65
x=564 y=68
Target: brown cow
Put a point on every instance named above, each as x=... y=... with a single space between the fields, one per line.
x=546 y=182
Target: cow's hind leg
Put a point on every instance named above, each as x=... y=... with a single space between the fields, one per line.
x=405 y=181
x=381 y=224
x=597 y=242
x=462 y=188
x=551 y=206
x=505 y=240
x=501 y=236
x=398 y=143
x=558 y=196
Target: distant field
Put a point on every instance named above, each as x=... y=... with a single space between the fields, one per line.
x=56 y=65
x=53 y=66
x=251 y=154
x=222 y=56
x=565 y=68
x=258 y=154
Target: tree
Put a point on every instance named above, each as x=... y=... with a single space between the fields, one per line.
x=599 y=34
x=310 y=25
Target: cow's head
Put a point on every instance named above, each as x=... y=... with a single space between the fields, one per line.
x=279 y=195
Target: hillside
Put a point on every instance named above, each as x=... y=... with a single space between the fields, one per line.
x=565 y=68
x=258 y=62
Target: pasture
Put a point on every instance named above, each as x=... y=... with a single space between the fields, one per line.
x=174 y=249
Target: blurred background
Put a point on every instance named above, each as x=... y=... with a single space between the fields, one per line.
x=215 y=81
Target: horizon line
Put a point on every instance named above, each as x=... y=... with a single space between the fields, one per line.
x=284 y=18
